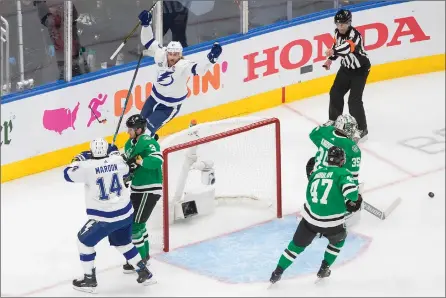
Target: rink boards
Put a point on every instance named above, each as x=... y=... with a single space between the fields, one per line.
x=44 y=127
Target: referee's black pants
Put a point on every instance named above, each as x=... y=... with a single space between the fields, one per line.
x=353 y=80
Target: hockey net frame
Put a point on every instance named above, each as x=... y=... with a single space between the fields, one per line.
x=243 y=129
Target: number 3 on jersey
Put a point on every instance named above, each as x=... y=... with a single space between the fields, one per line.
x=115 y=187
x=328 y=183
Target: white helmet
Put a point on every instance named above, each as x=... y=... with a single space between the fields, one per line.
x=175 y=47
x=347 y=124
x=99 y=147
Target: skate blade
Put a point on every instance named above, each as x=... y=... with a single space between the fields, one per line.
x=320 y=279
x=85 y=289
x=271 y=285
x=149 y=282
x=128 y=271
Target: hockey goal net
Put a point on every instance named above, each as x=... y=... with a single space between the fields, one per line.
x=245 y=157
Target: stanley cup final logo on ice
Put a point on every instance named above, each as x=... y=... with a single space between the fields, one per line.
x=196 y=86
x=264 y=62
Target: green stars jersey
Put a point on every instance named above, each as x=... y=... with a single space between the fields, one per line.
x=147 y=177
x=324 y=138
x=327 y=191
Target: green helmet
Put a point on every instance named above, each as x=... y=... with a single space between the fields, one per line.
x=347 y=124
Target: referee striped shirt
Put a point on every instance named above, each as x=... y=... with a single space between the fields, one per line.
x=350 y=47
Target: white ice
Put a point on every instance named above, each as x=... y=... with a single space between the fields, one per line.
x=41 y=214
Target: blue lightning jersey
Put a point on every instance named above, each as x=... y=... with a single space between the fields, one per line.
x=170 y=87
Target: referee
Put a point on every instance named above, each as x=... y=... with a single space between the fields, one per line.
x=352 y=75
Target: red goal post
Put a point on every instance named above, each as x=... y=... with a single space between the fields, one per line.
x=257 y=124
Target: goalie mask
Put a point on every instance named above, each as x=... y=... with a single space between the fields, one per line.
x=99 y=148
x=347 y=124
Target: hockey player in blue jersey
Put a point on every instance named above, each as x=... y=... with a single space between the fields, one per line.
x=109 y=212
x=85 y=155
x=173 y=71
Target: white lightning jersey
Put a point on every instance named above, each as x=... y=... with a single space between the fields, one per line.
x=170 y=86
x=106 y=197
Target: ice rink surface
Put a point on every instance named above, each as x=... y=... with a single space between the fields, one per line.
x=403 y=255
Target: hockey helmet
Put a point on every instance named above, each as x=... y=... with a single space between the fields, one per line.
x=175 y=47
x=99 y=148
x=136 y=121
x=343 y=16
x=336 y=156
x=347 y=124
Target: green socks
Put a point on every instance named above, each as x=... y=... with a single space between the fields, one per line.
x=289 y=255
x=332 y=251
x=138 y=239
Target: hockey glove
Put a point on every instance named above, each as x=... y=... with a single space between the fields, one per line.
x=113 y=150
x=84 y=155
x=127 y=179
x=145 y=17
x=132 y=163
x=215 y=52
x=354 y=206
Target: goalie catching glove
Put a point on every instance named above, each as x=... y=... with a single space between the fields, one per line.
x=354 y=206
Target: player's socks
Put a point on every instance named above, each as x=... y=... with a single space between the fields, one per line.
x=289 y=255
x=332 y=251
x=286 y=259
x=147 y=248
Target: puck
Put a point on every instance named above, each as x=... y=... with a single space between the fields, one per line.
x=431 y=194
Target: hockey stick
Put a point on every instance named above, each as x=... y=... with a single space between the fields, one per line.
x=127 y=98
x=100 y=121
x=130 y=34
x=375 y=211
x=378 y=213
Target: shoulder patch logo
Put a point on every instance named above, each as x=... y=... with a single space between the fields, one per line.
x=355 y=148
